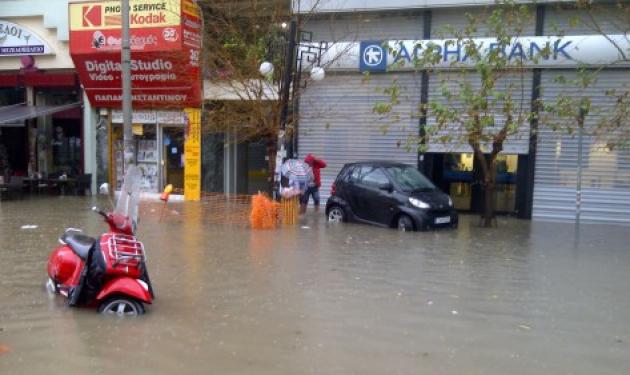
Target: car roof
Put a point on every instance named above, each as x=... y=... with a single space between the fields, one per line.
x=378 y=163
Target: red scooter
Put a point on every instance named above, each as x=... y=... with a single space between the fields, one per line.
x=108 y=273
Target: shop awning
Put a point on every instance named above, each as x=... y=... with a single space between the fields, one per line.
x=14 y=115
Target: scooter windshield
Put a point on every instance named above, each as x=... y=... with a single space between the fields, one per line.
x=129 y=198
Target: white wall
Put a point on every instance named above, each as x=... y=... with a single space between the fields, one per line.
x=59 y=60
x=54 y=12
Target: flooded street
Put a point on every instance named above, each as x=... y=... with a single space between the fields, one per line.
x=526 y=298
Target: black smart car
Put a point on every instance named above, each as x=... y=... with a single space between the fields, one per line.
x=391 y=195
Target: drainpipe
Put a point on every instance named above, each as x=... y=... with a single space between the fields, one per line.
x=578 y=188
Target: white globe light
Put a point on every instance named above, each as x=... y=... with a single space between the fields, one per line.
x=266 y=68
x=317 y=73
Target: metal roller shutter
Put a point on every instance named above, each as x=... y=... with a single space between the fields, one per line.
x=337 y=122
x=560 y=20
x=521 y=88
x=605 y=173
x=366 y=27
x=457 y=18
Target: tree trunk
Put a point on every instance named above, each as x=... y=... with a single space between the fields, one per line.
x=489 y=192
x=272 y=149
x=488 y=181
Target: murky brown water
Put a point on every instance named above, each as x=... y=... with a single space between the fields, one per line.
x=528 y=298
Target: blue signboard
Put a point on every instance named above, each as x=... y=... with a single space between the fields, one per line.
x=373 y=56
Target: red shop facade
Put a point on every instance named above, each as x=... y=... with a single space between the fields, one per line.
x=41 y=117
x=165 y=41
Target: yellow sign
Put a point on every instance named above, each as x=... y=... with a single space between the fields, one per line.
x=137 y=129
x=104 y=15
x=192 y=154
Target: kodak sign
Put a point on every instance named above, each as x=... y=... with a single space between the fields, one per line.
x=165 y=41
x=107 y=15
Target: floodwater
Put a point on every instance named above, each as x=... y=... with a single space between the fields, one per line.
x=527 y=298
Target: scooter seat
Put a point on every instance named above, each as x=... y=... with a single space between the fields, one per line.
x=79 y=243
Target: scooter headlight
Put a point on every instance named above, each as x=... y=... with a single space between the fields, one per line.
x=418 y=203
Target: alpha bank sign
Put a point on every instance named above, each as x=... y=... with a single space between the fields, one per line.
x=17 y=40
x=542 y=52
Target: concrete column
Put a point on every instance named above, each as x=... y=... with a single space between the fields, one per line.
x=89 y=140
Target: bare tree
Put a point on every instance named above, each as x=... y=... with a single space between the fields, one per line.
x=239 y=36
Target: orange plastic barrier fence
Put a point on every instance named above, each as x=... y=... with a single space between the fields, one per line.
x=264 y=212
x=259 y=211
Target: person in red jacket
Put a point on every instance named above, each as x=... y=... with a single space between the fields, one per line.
x=312 y=190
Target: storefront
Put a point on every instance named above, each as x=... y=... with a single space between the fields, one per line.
x=41 y=119
x=166 y=88
x=536 y=172
x=160 y=139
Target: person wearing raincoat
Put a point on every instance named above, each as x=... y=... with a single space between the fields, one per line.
x=313 y=187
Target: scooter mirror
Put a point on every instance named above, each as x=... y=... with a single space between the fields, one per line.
x=104 y=188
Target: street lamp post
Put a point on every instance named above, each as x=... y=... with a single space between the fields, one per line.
x=285 y=87
x=308 y=52
x=125 y=58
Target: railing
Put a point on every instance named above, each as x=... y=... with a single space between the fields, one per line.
x=125 y=249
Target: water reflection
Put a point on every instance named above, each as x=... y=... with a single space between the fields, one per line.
x=319 y=298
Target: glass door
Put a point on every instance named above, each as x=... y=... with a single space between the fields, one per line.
x=507 y=166
x=458 y=173
x=173 y=156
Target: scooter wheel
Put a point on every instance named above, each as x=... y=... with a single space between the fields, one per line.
x=121 y=306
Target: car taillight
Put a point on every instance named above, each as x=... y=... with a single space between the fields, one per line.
x=333 y=189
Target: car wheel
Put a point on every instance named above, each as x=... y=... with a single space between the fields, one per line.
x=405 y=224
x=121 y=306
x=336 y=214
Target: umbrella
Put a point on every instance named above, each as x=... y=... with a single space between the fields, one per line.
x=297 y=170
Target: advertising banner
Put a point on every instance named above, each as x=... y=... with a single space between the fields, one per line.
x=165 y=41
x=192 y=155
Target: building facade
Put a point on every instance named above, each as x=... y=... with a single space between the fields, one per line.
x=45 y=128
x=165 y=44
x=60 y=91
x=538 y=169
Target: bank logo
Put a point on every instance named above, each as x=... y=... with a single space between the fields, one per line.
x=373 y=57
x=91 y=15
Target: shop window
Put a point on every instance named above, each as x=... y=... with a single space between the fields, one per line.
x=11 y=95
x=145 y=136
x=505 y=198
x=66 y=148
x=458 y=172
